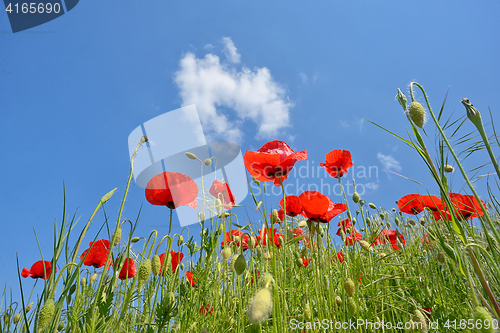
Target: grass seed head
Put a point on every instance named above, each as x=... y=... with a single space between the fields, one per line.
x=420 y=322
x=416 y=112
x=117 y=236
x=482 y=315
x=260 y=306
x=349 y=287
x=45 y=315
x=307 y=311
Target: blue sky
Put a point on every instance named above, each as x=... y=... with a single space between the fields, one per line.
x=73 y=89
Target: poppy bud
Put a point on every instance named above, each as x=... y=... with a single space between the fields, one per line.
x=60 y=326
x=420 y=321
x=93 y=277
x=218 y=206
x=396 y=220
x=275 y=218
x=180 y=240
x=170 y=299
x=135 y=240
x=402 y=99
x=365 y=246
x=201 y=216
x=482 y=315
x=307 y=311
x=6 y=318
x=260 y=306
x=83 y=282
x=299 y=262
x=355 y=197
x=156 y=265
x=232 y=262
x=190 y=155
x=144 y=271
x=416 y=112
x=351 y=306
x=267 y=255
x=472 y=113
x=266 y=280
x=17 y=317
x=72 y=289
x=221 y=229
x=208 y=161
x=349 y=287
x=117 y=236
x=372 y=206
x=440 y=257
x=226 y=253
x=388 y=225
x=422 y=221
x=411 y=222
x=25 y=329
x=302 y=224
x=144 y=139
x=361 y=202
x=182 y=266
x=45 y=315
x=338 y=300
x=448 y=168
x=28 y=308
x=240 y=264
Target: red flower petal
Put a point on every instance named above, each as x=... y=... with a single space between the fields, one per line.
x=128 y=269
x=337 y=162
x=97 y=253
x=172 y=189
x=273 y=161
x=293 y=205
x=37 y=271
x=222 y=191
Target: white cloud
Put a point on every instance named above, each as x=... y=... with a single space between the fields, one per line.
x=225 y=97
x=389 y=163
x=230 y=50
x=344 y=123
x=373 y=186
x=360 y=122
x=209 y=47
x=303 y=77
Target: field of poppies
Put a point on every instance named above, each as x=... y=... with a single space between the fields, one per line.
x=428 y=264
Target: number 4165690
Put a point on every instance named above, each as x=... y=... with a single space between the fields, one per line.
x=33 y=8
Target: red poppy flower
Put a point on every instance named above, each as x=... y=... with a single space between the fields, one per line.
x=293 y=205
x=208 y=309
x=128 y=269
x=37 y=271
x=340 y=258
x=353 y=238
x=427 y=312
x=305 y=262
x=415 y=203
x=223 y=192
x=172 y=189
x=392 y=236
x=281 y=216
x=346 y=226
x=269 y=234
x=320 y=208
x=190 y=277
x=467 y=205
x=297 y=232
x=307 y=242
x=256 y=271
x=337 y=162
x=96 y=254
x=427 y=240
x=230 y=239
x=176 y=260
x=273 y=161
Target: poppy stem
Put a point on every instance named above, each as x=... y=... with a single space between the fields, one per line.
x=170 y=224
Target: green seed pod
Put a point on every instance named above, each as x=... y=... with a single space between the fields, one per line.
x=397 y=221
x=72 y=289
x=393 y=209
x=420 y=322
x=93 y=278
x=338 y=300
x=117 y=236
x=349 y=287
x=6 y=318
x=307 y=311
x=422 y=221
x=382 y=216
x=45 y=315
x=482 y=315
x=240 y=264
x=221 y=229
x=299 y=262
x=83 y=282
x=180 y=240
x=17 y=317
x=361 y=202
x=260 y=306
x=190 y=155
x=28 y=308
x=226 y=253
x=355 y=197
x=372 y=206
x=440 y=257
x=182 y=266
x=365 y=246
x=351 y=306
x=388 y=225
x=416 y=112
x=144 y=271
x=135 y=240
x=402 y=99
x=448 y=168
x=208 y=161
x=156 y=265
